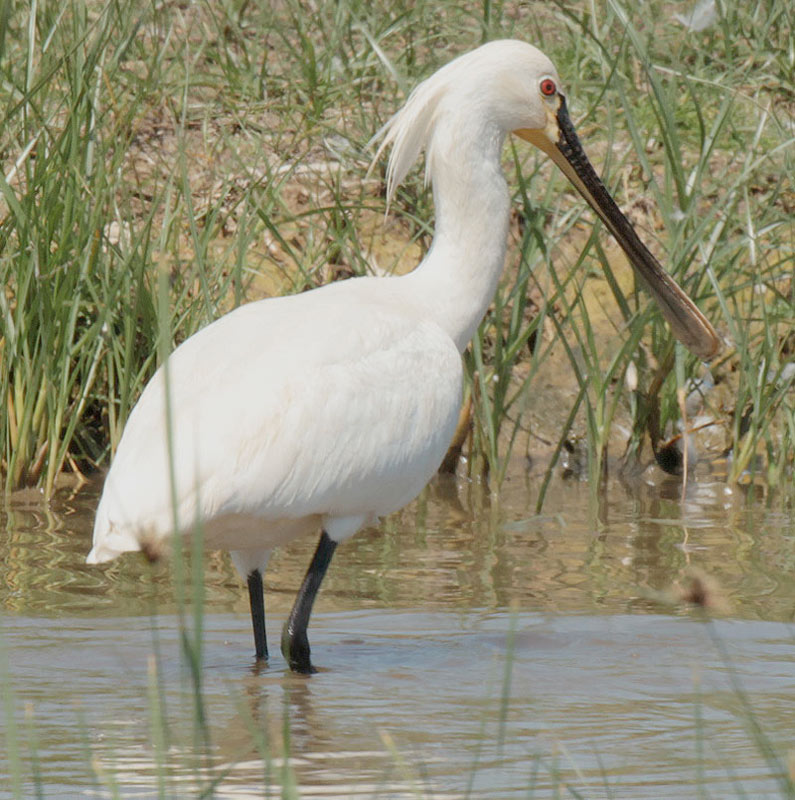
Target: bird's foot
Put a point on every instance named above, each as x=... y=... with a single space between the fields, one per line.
x=295 y=649
x=259 y=665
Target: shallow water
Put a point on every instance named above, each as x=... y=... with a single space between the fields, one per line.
x=467 y=648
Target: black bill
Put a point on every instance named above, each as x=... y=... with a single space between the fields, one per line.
x=687 y=323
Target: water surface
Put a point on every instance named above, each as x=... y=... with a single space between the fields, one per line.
x=467 y=648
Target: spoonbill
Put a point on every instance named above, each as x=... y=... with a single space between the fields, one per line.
x=321 y=412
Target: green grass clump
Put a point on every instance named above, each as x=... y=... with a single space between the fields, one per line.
x=700 y=152
x=220 y=150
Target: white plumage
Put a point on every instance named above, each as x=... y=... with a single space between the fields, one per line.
x=306 y=417
x=325 y=410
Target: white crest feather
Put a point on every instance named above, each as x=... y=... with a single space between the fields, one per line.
x=410 y=130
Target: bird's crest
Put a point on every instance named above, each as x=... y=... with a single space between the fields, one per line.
x=410 y=130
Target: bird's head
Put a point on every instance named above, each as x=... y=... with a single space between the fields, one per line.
x=510 y=86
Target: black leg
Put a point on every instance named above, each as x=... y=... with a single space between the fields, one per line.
x=295 y=644
x=257 y=603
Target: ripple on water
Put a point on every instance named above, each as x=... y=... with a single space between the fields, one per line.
x=611 y=690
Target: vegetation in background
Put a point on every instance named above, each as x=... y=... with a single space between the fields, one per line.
x=222 y=148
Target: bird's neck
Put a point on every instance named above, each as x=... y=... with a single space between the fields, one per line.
x=458 y=276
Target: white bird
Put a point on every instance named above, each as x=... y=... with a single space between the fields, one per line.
x=326 y=410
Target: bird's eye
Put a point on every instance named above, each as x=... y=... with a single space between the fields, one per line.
x=548 y=87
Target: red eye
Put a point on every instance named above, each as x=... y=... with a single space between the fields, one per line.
x=548 y=88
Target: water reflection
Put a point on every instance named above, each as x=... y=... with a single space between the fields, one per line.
x=424 y=627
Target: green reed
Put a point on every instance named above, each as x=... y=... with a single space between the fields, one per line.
x=727 y=233
x=228 y=143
